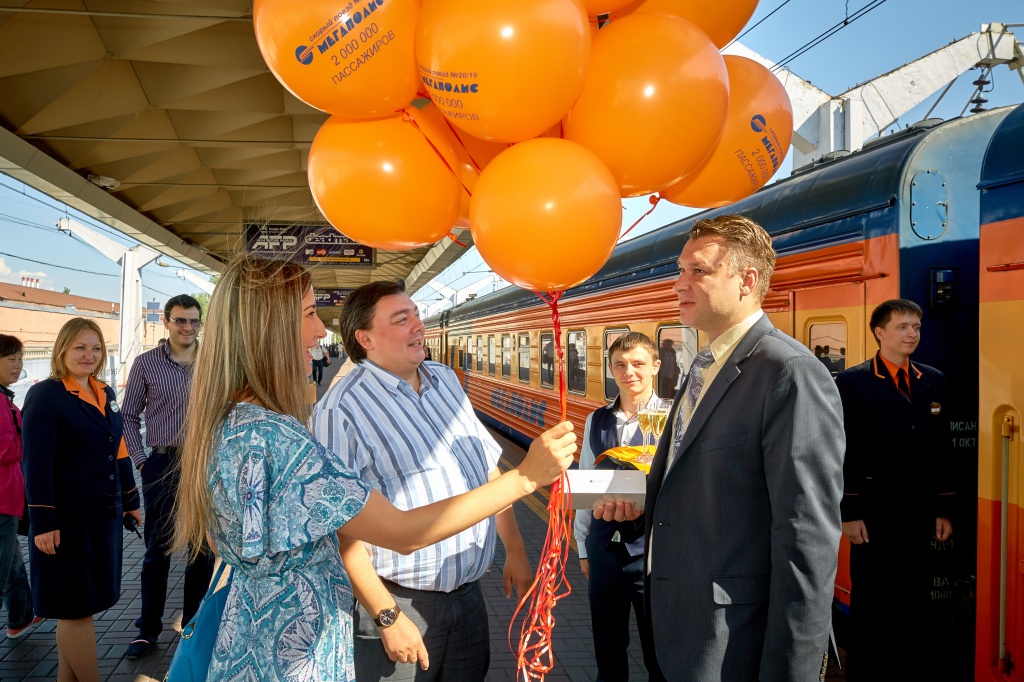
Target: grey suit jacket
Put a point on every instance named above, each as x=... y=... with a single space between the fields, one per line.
x=744 y=530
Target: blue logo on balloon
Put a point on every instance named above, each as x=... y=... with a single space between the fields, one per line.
x=757 y=123
x=304 y=54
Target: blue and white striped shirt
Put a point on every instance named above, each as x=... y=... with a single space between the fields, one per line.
x=414 y=449
x=158 y=386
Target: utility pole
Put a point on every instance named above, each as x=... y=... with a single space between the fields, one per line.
x=132 y=261
x=204 y=284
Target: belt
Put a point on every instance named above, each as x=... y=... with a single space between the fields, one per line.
x=164 y=450
x=399 y=588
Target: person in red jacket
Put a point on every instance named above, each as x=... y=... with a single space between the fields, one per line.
x=13 y=578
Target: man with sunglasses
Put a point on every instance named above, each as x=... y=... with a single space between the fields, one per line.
x=158 y=387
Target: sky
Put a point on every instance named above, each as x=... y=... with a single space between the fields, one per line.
x=887 y=34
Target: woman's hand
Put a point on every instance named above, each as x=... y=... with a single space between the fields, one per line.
x=47 y=543
x=550 y=454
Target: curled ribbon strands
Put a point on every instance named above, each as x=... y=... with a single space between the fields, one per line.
x=654 y=204
x=535 y=656
x=451 y=235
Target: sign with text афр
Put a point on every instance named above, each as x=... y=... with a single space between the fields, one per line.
x=306 y=244
x=331 y=297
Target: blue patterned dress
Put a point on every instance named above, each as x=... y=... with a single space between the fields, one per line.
x=280 y=497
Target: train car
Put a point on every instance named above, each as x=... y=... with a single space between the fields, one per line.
x=1000 y=587
x=899 y=218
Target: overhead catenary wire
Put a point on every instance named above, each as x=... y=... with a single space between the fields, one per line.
x=828 y=33
x=761 y=21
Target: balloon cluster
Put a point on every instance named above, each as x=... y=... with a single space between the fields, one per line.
x=542 y=116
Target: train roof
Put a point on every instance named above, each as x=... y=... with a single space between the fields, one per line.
x=1002 y=172
x=840 y=198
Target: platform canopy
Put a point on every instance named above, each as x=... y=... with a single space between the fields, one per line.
x=173 y=111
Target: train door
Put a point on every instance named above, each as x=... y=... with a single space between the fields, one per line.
x=999 y=637
x=830 y=322
x=524 y=358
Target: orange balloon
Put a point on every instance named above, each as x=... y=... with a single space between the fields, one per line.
x=386 y=182
x=722 y=20
x=545 y=214
x=757 y=134
x=654 y=101
x=503 y=71
x=351 y=58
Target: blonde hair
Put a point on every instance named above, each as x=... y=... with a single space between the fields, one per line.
x=251 y=351
x=66 y=338
x=750 y=246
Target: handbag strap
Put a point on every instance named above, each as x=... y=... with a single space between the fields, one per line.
x=216 y=579
x=188 y=628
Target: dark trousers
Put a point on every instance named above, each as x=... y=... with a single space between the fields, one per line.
x=159 y=488
x=13 y=579
x=454 y=630
x=617 y=584
x=889 y=606
x=318 y=370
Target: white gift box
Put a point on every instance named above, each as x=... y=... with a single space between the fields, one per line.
x=590 y=486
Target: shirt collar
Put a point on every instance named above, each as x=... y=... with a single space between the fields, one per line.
x=7 y=392
x=723 y=346
x=653 y=401
x=893 y=368
x=95 y=384
x=394 y=382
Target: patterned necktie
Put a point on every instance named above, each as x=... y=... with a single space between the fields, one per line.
x=694 y=384
x=901 y=382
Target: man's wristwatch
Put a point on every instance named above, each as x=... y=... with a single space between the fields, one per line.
x=387 y=617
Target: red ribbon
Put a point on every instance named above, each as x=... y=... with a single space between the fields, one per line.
x=535 y=655
x=406 y=116
x=654 y=204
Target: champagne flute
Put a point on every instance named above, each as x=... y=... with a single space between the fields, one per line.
x=645 y=420
x=660 y=418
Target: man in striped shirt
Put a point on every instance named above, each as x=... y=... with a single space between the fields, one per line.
x=157 y=391
x=406 y=426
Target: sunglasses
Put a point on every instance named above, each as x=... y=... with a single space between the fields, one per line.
x=185 y=322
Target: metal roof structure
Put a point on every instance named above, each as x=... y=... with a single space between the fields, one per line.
x=171 y=108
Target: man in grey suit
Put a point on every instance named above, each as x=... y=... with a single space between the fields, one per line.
x=742 y=509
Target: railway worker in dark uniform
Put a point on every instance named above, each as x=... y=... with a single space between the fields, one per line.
x=897 y=495
x=406 y=426
x=157 y=390
x=612 y=552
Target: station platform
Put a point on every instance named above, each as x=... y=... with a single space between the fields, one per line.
x=33 y=658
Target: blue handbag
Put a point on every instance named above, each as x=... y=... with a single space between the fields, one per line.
x=191 y=662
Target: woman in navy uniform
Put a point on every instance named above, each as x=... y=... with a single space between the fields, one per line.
x=79 y=484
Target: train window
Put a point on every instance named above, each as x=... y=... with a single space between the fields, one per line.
x=524 y=358
x=610 y=389
x=547 y=360
x=576 y=362
x=828 y=341
x=506 y=356
x=479 y=354
x=491 y=355
x=677 y=347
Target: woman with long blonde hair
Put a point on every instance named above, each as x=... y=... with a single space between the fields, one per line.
x=275 y=504
x=79 y=484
